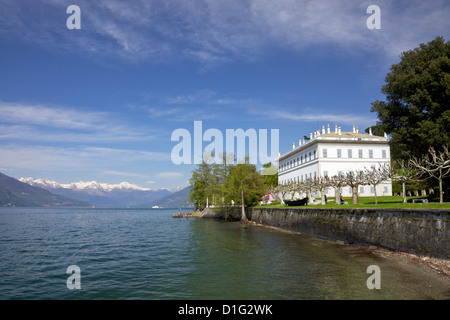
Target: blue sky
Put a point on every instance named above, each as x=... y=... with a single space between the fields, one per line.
x=101 y=103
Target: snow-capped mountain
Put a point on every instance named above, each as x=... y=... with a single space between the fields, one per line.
x=81 y=185
x=101 y=194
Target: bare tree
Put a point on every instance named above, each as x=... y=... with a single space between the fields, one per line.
x=299 y=187
x=337 y=182
x=403 y=172
x=320 y=184
x=310 y=187
x=435 y=165
x=354 y=179
x=377 y=175
x=281 y=189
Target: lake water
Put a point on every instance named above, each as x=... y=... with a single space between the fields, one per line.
x=146 y=254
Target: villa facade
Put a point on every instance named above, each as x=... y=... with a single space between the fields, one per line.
x=330 y=153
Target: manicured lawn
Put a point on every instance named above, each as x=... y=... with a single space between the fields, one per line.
x=369 y=202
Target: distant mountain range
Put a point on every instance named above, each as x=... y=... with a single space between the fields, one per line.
x=176 y=199
x=113 y=195
x=14 y=193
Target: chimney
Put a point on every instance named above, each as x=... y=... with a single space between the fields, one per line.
x=299 y=142
x=310 y=136
x=370 y=131
x=323 y=129
x=293 y=145
x=328 y=128
x=339 y=130
x=335 y=129
x=357 y=129
x=354 y=130
x=315 y=133
x=385 y=135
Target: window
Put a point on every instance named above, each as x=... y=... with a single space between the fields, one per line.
x=372 y=189
x=360 y=154
x=310 y=156
x=350 y=190
x=383 y=153
x=326 y=190
x=340 y=173
x=315 y=174
x=298 y=161
x=350 y=153
x=315 y=154
x=339 y=153
x=325 y=153
x=301 y=159
x=361 y=189
x=325 y=173
x=370 y=153
x=385 y=189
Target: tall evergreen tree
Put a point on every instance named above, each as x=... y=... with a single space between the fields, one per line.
x=417 y=108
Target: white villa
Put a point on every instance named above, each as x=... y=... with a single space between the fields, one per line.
x=329 y=153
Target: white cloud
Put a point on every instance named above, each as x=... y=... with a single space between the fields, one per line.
x=223 y=30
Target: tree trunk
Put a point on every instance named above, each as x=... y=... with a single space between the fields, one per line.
x=404 y=191
x=375 y=191
x=355 y=195
x=337 y=196
x=244 y=217
x=310 y=198
x=322 y=197
x=441 y=194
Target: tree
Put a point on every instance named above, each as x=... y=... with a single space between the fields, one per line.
x=354 y=180
x=416 y=111
x=270 y=173
x=320 y=184
x=201 y=181
x=435 y=165
x=337 y=182
x=403 y=171
x=281 y=190
x=377 y=175
x=245 y=185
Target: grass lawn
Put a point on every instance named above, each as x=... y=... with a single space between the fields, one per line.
x=395 y=202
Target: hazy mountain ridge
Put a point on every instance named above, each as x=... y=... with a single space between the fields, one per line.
x=176 y=199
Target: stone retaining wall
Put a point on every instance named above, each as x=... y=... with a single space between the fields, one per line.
x=416 y=231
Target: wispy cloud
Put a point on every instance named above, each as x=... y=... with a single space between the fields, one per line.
x=169 y=175
x=125 y=174
x=219 y=31
x=81 y=158
x=61 y=124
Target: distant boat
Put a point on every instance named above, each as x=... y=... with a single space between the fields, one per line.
x=155 y=207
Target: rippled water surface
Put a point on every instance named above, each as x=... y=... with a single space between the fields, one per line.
x=145 y=254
